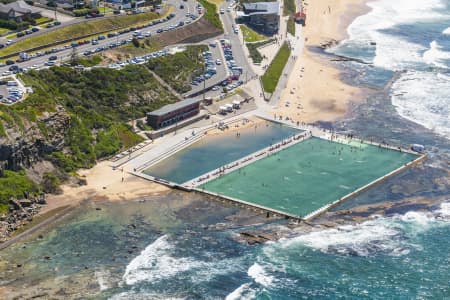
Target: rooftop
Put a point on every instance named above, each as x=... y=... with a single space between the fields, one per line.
x=261 y=8
x=18 y=6
x=171 y=107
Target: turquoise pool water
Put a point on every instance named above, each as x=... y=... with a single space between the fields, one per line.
x=308 y=175
x=214 y=151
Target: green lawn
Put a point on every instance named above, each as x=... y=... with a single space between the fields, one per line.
x=289 y=7
x=251 y=36
x=79 y=30
x=291 y=25
x=43 y=20
x=4 y=30
x=106 y=10
x=272 y=75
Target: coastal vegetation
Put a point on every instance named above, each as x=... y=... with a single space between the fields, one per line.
x=98 y=105
x=251 y=36
x=211 y=13
x=14 y=185
x=272 y=75
x=179 y=69
x=79 y=30
x=87 y=61
x=253 y=50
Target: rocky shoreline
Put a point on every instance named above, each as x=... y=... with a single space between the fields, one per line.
x=20 y=213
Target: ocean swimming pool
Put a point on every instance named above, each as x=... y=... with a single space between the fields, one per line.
x=213 y=151
x=308 y=175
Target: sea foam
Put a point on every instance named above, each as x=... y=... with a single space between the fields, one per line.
x=422 y=97
x=389 y=235
x=156 y=262
x=257 y=272
x=387 y=37
x=436 y=56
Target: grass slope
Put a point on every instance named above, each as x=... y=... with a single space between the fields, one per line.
x=272 y=75
x=211 y=13
x=79 y=30
x=178 y=69
x=251 y=36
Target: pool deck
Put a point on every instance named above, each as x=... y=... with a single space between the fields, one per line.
x=308 y=131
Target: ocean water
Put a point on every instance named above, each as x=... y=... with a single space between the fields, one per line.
x=181 y=247
x=135 y=250
x=411 y=37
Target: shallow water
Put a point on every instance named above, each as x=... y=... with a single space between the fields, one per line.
x=214 y=151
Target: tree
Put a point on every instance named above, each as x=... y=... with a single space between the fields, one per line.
x=135 y=42
x=74 y=57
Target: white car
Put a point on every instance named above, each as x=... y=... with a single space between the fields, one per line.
x=222 y=11
x=6 y=73
x=8 y=42
x=218 y=62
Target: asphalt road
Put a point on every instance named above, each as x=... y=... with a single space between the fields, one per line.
x=180 y=15
x=236 y=42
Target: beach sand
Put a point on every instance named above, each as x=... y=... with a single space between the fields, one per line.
x=104 y=184
x=314 y=90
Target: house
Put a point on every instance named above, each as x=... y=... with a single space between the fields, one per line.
x=262 y=16
x=173 y=113
x=18 y=11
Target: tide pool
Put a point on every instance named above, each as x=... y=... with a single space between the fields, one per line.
x=214 y=151
x=306 y=176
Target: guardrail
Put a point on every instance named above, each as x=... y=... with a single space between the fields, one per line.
x=58 y=42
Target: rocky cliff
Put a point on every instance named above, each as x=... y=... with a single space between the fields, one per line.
x=22 y=147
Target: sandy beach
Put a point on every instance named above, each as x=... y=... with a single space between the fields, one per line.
x=104 y=184
x=314 y=91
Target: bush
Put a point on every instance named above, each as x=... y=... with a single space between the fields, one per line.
x=135 y=42
x=15 y=185
x=50 y=183
x=178 y=69
x=8 y=24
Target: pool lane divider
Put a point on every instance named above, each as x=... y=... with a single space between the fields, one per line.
x=308 y=132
